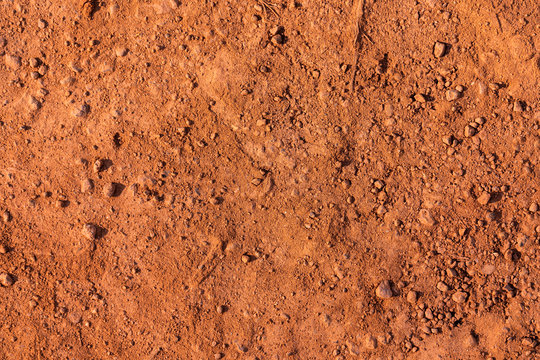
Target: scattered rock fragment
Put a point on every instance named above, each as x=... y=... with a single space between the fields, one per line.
x=109 y=189
x=80 y=110
x=425 y=218
x=98 y=165
x=469 y=131
x=34 y=62
x=420 y=98
x=87 y=185
x=278 y=39
x=439 y=49
x=121 y=51
x=448 y=140
x=89 y=231
x=371 y=342
x=67 y=81
x=384 y=290
x=353 y=348
x=256 y=181
x=6 y=279
x=13 y=62
x=471 y=340
x=518 y=106
x=452 y=94
x=441 y=286
x=33 y=104
x=6 y=216
x=460 y=297
x=389 y=110
x=412 y=296
x=484 y=198
x=42 y=24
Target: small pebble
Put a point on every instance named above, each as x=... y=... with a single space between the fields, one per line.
x=441 y=286
x=533 y=208
x=80 y=110
x=121 y=51
x=98 y=165
x=34 y=62
x=484 y=198
x=33 y=104
x=89 y=231
x=384 y=290
x=42 y=24
x=87 y=185
x=6 y=216
x=452 y=95
x=420 y=98
x=277 y=39
x=389 y=110
x=3 y=249
x=109 y=189
x=439 y=49
x=246 y=258
x=460 y=297
x=6 y=279
x=221 y=309
x=469 y=131
x=425 y=218
x=412 y=296
x=371 y=342
x=13 y=62
x=448 y=140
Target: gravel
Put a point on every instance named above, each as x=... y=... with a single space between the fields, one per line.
x=89 y=231
x=384 y=290
x=6 y=279
x=452 y=95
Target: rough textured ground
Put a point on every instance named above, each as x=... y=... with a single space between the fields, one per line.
x=269 y=179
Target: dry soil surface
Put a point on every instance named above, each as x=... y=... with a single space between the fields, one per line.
x=269 y=179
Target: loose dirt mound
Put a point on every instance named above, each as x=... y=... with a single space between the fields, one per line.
x=269 y=179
